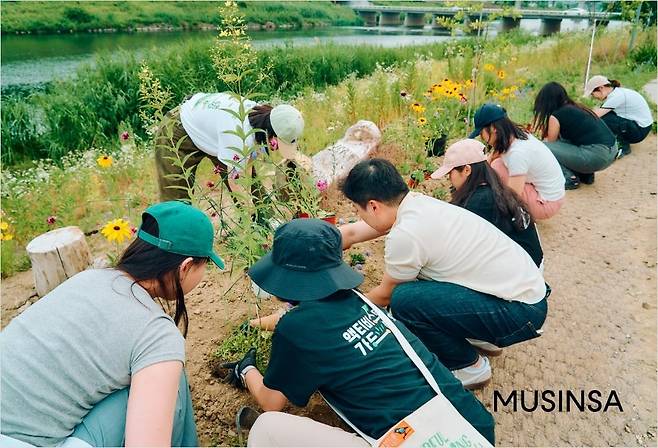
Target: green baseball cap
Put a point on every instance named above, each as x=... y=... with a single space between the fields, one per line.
x=183 y=230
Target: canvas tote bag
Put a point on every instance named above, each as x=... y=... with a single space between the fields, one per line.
x=435 y=424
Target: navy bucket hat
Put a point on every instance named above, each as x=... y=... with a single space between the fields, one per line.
x=305 y=263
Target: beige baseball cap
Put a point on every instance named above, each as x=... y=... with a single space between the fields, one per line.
x=460 y=153
x=288 y=124
x=594 y=82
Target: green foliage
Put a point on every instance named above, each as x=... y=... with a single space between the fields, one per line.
x=241 y=339
x=644 y=55
x=357 y=258
x=51 y=17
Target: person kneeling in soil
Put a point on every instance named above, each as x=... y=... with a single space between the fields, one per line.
x=335 y=343
x=479 y=190
x=580 y=141
x=97 y=361
x=449 y=274
x=625 y=111
x=204 y=126
x=523 y=163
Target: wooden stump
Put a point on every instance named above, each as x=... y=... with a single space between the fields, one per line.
x=56 y=256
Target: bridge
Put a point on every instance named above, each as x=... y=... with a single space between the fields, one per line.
x=415 y=16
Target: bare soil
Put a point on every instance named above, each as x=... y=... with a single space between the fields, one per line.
x=600 y=334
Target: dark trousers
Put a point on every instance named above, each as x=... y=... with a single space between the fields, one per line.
x=443 y=315
x=627 y=131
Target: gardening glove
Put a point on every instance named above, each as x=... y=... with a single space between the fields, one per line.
x=239 y=369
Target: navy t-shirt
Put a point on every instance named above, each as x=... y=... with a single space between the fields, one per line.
x=338 y=346
x=582 y=128
x=482 y=203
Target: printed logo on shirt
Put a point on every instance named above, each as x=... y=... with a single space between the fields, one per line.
x=367 y=332
x=207 y=102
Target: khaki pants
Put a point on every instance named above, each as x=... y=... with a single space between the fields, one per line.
x=170 y=133
x=278 y=429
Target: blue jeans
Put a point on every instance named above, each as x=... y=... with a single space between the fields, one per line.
x=443 y=315
x=105 y=424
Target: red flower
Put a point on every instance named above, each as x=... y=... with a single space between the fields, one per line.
x=125 y=136
x=133 y=230
x=210 y=184
x=51 y=220
x=217 y=169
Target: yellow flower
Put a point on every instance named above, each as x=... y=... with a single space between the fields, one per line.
x=6 y=236
x=501 y=74
x=418 y=108
x=104 y=161
x=117 y=230
x=4 y=225
x=422 y=120
x=489 y=67
x=468 y=83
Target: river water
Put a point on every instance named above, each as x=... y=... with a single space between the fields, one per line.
x=34 y=59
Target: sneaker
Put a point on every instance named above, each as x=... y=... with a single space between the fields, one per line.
x=475 y=376
x=571 y=183
x=587 y=179
x=485 y=348
x=624 y=150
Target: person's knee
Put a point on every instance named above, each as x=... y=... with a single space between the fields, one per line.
x=264 y=428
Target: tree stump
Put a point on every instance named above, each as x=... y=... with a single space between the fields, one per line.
x=56 y=256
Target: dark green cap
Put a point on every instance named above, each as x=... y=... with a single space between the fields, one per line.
x=183 y=230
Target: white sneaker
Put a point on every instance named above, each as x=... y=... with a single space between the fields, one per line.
x=475 y=377
x=486 y=348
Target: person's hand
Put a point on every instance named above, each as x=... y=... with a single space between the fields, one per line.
x=239 y=369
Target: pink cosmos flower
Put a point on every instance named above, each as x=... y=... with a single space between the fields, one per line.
x=133 y=230
x=125 y=136
x=233 y=174
x=274 y=143
x=217 y=169
x=51 y=220
x=236 y=157
x=322 y=185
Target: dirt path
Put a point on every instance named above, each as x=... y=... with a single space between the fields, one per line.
x=600 y=334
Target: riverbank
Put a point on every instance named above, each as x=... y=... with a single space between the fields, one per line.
x=151 y=16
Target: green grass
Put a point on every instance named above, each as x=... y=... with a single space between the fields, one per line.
x=52 y=17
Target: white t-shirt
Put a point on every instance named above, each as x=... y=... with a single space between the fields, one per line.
x=533 y=159
x=629 y=104
x=434 y=240
x=206 y=123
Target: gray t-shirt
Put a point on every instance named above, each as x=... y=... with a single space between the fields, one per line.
x=76 y=345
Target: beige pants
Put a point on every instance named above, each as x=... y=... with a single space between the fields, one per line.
x=278 y=429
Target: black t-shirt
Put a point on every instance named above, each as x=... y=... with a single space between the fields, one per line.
x=338 y=346
x=482 y=204
x=581 y=128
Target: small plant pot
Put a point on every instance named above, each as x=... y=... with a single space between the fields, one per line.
x=436 y=146
x=331 y=219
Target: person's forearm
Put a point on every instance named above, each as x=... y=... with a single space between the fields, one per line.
x=357 y=232
x=268 y=399
x=380 y=295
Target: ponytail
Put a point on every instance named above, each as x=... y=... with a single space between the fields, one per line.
x=614 y=83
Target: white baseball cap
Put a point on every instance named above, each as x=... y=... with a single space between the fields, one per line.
x=595 y=82
x=288 y=124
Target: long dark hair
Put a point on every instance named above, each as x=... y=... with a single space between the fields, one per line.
x=508 y=205
x=506 y=130
x=549 y=99
x=144 y=261
x=259 y=117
